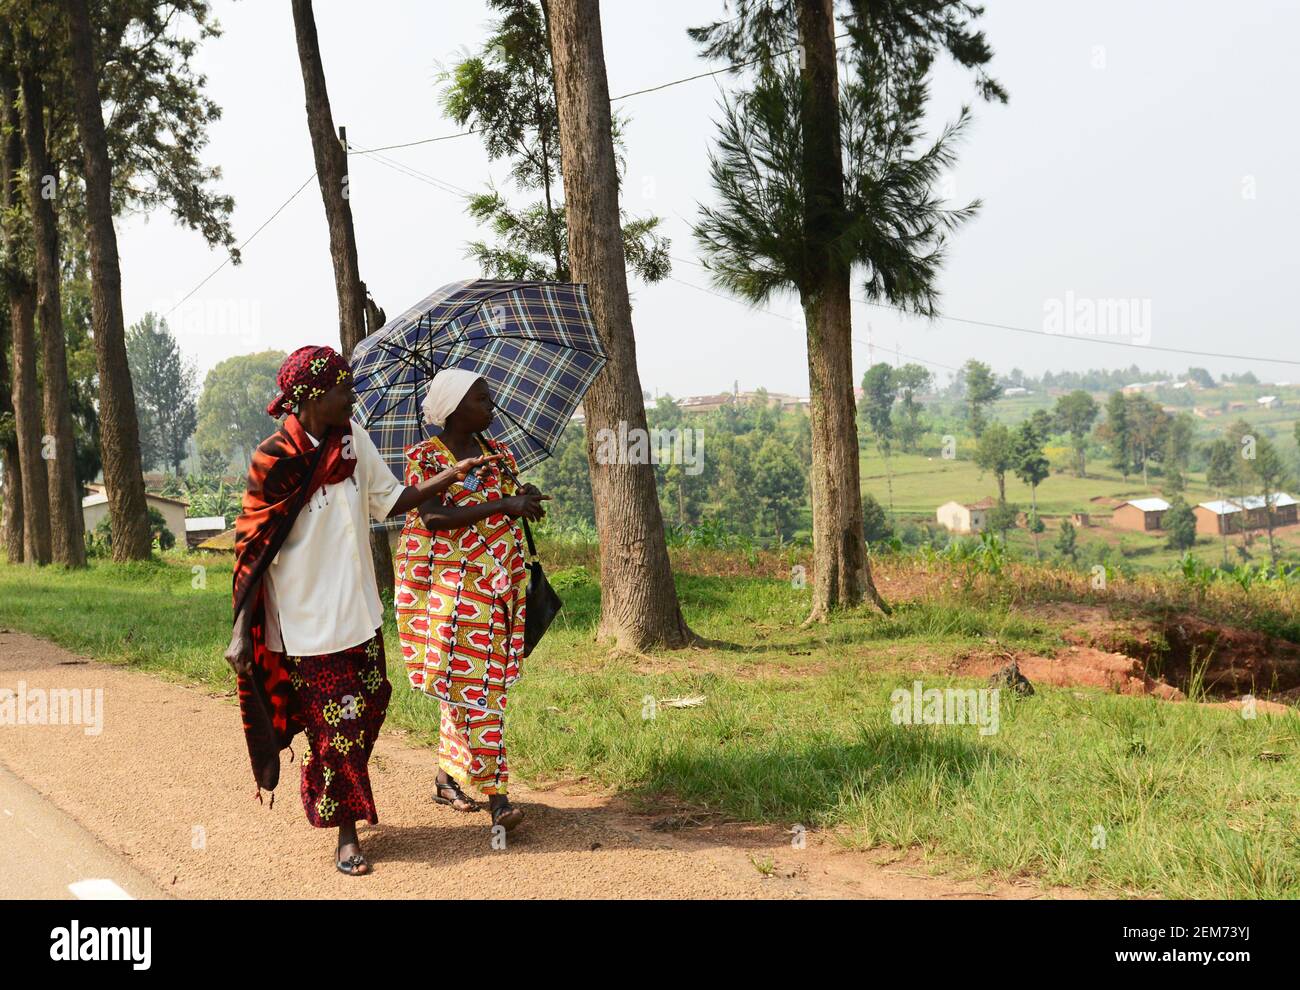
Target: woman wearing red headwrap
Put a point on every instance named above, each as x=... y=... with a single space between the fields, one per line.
x=306 y=646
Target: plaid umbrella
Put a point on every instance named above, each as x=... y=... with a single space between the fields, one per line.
x=534 y=342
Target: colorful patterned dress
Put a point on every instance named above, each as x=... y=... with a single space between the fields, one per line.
x=459 y=599
x=342 y=698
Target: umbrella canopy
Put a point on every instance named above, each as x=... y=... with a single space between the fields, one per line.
x=534 y=342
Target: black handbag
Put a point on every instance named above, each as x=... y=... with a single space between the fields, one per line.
x=541 y=603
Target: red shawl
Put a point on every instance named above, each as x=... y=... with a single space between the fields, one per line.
x=285 y=472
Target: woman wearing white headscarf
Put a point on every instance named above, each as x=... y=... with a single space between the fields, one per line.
x=459 y=596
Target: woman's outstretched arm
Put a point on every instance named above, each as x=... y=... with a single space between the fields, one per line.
x=439 y=517
x=414 y=495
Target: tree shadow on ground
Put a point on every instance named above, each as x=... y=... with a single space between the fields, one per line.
x=814 y=776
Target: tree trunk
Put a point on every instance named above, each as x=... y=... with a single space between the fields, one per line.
x=889 y=478
x=11 y=525
x=1033 y=499
x=27 y=423
x=1268 y=522
x=11 y=510
x=118 y=427
x=332 y=174
x=638 y=602
x=841 y=569
x=1223 y=528
x=22 y=305
x=66 y=524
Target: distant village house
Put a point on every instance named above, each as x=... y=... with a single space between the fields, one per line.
x=202 y=528
x=1236 y=515
x=960 y=517
x=1140 y=514
x=94 y=508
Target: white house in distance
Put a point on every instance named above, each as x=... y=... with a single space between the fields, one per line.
x=960 y=517
x=94 y=507
x=1269 y=402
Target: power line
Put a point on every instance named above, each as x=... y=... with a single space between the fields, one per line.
x=460 y=134
x=450 y=187
x=372 y=153
x=1054 y=336
x=1086 y=340
x=412 y=144
x=779 y=316
x=415 y=173
x=761 y=309
x=225 y=261
x=716 y=72
x=613 y=99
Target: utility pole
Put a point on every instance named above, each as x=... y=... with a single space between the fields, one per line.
x=332 y=170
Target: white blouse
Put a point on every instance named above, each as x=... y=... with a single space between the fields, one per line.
x=321 y=593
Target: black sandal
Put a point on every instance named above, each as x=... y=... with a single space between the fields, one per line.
x=459 y=800
x=507 y=816
x=352 y=866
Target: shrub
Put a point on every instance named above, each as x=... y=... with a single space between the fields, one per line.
x=876 y=524
x=163 y=536
x=1180 y=524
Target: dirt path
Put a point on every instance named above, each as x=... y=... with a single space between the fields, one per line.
x=166 y=784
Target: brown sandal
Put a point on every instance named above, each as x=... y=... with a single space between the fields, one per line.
x=507 y=816
x=451 y=795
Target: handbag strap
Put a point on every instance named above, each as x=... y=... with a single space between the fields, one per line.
x=528 y=533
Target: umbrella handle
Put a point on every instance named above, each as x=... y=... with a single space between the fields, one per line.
x=501 y=463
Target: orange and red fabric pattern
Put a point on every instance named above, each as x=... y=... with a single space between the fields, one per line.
x=459 y=600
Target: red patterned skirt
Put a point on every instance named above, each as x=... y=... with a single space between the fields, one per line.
x=342 y=698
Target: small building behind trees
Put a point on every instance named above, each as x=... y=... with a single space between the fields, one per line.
x=1141 y=515
x=202 y=528
x=94 y=508
x=1236 y=515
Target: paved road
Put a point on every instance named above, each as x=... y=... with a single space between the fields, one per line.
x=49 y=856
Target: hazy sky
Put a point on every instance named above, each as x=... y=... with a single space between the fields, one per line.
x=1143 y=168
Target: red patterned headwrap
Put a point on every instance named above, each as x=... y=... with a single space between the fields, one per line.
x=307 y=373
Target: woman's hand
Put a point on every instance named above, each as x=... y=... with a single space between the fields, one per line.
x=464 y=467
x=239 y=654
x=527 y=505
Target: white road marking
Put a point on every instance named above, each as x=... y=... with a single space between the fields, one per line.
x=98 y=890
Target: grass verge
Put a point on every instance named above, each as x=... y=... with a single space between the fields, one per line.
x=1076 y=787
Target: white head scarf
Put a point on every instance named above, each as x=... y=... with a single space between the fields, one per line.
x=445 y=392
